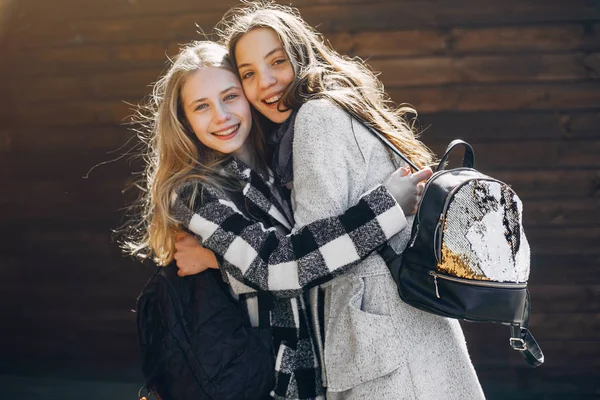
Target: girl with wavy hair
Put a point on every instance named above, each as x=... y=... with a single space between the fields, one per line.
x=206 y=175
x=371 y=344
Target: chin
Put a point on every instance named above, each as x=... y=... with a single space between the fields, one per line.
x=280 y=117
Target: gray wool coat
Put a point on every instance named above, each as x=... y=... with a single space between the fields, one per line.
x=374 y=345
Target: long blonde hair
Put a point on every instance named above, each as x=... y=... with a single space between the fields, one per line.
x=321 y=72
x=174 y=155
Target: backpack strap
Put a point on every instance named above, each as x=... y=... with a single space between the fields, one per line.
x=522 y=340
x=389 y=144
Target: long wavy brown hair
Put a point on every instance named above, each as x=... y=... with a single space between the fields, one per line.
x=320 y=72
x=174 y=156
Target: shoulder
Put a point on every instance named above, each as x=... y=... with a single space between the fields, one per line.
x=319 y=111
x=320 y=122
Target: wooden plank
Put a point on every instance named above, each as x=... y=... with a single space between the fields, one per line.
x=116 y=30
x=97 y=200
x=58 y=277
x=576 y=300
x=561 y=37
x=551 y=184
x=431 y=71
x=77 y=113
x=580 y=212
x=72 y=347
x=442 y=70
x=546 y=383
x=549 y=96
x=463 y=98
x=91 y=147
x=532 y=154
x=580 y=124
x=83 y=142
x=488 y=346
x=70 y=86
x=119 y=8
x=567 y=327
x=474 y=127
x=555 y=37
x=328 y=18
x=573 y=269
x=80 y=317
x=93 y=57
x=74 y=172
x=478 y=127
x=546 y=38
x=581 y=240
x=370 y=44
x=580 y=188
x=84 y=242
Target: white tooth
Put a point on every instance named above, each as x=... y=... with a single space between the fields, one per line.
x=227 y=132
x=273 y=99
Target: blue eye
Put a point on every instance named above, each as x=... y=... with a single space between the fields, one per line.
x=230 y=97
x=200 y=107
x=247 y=75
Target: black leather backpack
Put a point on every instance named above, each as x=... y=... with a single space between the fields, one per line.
x=197 y=343
x=468 y=257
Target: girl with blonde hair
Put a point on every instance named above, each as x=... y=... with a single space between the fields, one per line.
x=206 y=174
x=371 y=344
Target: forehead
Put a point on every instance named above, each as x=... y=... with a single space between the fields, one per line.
x=256 y=44
x=207 y=83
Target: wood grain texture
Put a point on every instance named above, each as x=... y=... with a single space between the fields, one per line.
x=519 y=79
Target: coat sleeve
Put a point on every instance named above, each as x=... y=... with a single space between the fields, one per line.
x=330 y=169
x=264 y=259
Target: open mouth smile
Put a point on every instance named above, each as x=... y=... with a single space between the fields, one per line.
x=227 y=133
x=273 y=99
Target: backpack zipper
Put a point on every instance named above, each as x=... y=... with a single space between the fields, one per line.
x=418 y=215
x=510 y=285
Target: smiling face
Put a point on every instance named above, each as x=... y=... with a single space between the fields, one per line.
x=265 y=71
x=217 y=111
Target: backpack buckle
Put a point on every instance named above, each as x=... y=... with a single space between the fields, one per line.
x=517 y=344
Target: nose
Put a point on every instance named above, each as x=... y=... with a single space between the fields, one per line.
x=222 y=114
x=266 y=79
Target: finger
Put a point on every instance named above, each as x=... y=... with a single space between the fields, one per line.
x=422 y=175
x=420 y=188
x=402 y=171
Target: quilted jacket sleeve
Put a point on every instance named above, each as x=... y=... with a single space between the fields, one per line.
x=266 y=260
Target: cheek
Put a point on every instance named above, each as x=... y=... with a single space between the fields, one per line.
x=249 y=91
x=243 y=110
x=288 y=75
x=199 y=126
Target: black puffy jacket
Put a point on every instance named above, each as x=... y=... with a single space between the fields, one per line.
x=197 y=343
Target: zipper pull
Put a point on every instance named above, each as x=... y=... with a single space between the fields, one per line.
x=437 y=293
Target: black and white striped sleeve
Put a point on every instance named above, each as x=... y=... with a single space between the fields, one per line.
x=266 y=260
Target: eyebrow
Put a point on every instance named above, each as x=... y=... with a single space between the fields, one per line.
x=275 y=50
x=221 y=92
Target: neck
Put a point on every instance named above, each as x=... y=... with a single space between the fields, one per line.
x=245 y=155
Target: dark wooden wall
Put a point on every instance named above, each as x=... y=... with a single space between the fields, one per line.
x=517 y=78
